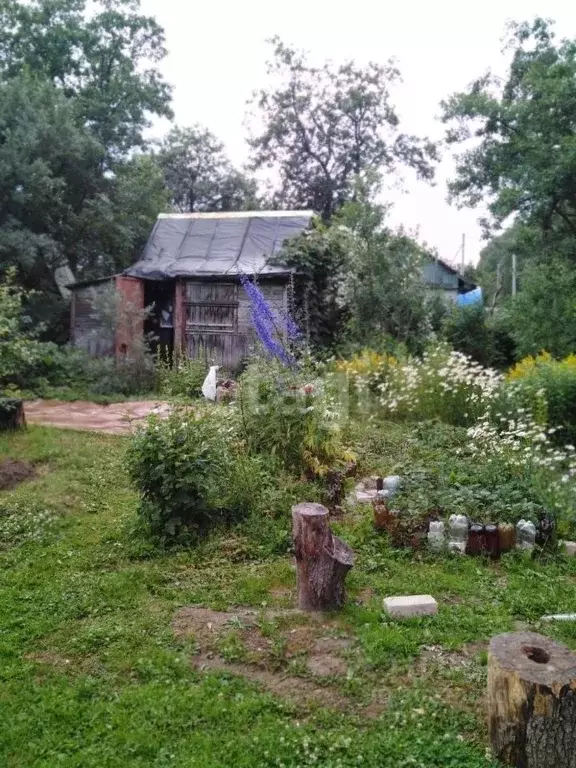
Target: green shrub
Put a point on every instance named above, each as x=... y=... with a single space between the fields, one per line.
x=184 y=380
x=193 y=473
x=19 y=347
x=291 y=415
x=62 y=371
x=484 y=338
x=547 y=388
x=177 y=466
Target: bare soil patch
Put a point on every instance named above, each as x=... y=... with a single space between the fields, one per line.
x=297 y=655
x=14 y=472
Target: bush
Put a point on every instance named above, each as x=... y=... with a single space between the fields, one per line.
x=471 y=331
x=547 y=388
x=193 y=473
x=177 y=465
x=19 y=347
x=441 y=384
x=184 y=380
x=291 y=415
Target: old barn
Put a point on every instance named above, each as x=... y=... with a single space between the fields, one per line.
x=190 y=273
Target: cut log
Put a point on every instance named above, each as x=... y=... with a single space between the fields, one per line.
x=11 y=413
x=532 y=701
x=322 y=559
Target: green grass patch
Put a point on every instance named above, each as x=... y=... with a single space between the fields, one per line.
x=91 y=673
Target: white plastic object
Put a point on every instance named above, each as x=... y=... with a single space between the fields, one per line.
x=525 y=534
x=457 y=533
x=436 y=535
x=209 y=386
x=391 y=483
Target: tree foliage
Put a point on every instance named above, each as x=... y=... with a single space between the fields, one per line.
x=361 y=282
x=199 y=175
x=382 y=284
x=543 y=314
x=102 y=55
x=77 y=87
x=523 y=157
x=327 y=128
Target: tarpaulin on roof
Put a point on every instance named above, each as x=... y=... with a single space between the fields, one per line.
x=205 y=245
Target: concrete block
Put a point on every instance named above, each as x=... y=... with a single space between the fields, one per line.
x=570 y=548
x=366 y=497
x=407 y=606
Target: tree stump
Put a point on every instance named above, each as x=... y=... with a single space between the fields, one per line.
x=322 y=559
x=11 y=413
x=532 y=701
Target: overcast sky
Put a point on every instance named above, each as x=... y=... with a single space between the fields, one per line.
x=217 y=53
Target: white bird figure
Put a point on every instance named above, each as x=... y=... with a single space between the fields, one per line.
x=209 y=386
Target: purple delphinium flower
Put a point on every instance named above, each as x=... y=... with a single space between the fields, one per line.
x=268 y=324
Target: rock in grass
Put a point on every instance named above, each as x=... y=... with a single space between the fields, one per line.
x=569 y=548
x=408 y=606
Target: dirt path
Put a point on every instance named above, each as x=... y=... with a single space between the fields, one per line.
x=115 y=419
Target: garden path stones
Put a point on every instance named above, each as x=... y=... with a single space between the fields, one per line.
x=409 y=606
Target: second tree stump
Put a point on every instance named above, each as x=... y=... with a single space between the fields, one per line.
x=322 y=559
x=532 y=701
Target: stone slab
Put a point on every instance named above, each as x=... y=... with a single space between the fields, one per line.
x=570 y=548
x=408 y=606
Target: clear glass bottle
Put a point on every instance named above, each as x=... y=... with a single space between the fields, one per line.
x=457 y=533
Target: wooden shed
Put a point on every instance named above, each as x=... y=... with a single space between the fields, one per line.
x=190 y=274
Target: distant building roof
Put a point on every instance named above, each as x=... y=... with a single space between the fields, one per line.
x=217 y=244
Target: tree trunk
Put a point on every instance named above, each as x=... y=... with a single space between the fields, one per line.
x=322 y=559
x=532 y=701
x=11 y=413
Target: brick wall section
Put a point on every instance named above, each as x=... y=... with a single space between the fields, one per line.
x=129 y=328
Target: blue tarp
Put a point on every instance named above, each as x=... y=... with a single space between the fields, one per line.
x=470 y=297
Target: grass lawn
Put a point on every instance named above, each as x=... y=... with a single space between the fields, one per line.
x=93 y=674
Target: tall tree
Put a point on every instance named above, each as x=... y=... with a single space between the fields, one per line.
x=327 y=129
x=103 y=57
x=57 y=207
x=360 y=282
x=199 y=175
x=78 y=84
x=523 y=157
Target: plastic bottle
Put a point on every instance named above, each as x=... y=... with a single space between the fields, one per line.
x=506 y=537
x=525 y=534
x=436 y=539
x=392 y=483
x=457 y=533
x=492 y=540
x=476 y=540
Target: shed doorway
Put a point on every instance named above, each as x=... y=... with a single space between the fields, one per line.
x=159 y=299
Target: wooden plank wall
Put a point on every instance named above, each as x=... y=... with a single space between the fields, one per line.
x=88 y=331
x=218 y=325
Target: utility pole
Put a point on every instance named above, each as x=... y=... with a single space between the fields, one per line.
x=463 y=250
x=513 y=274
x=498 y=287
